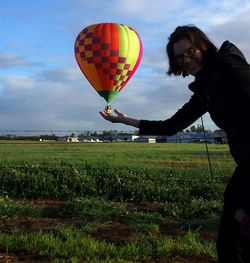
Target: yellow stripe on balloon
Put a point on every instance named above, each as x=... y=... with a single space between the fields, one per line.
x=134 y=46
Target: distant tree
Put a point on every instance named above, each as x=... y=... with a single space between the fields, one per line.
x=198 y=128
x=108 y=133
x=94 y=133
x=193 y=128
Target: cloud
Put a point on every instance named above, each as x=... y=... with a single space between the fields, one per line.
x=234 y=32
x=61 y=75
x=15 y=85
x=10 y=61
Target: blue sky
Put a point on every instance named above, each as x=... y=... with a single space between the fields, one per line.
x=42 y=88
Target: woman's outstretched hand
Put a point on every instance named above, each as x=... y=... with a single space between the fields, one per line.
x=120 y=118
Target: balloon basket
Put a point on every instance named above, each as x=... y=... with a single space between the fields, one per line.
x=108 y=109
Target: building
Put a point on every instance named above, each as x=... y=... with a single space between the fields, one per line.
x=147 y=139
x=72 y=139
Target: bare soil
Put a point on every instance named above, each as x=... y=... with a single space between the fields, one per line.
x=117 y=231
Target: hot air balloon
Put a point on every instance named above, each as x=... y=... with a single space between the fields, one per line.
x=108 y=55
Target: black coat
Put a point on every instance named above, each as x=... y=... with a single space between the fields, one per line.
x=221 y=88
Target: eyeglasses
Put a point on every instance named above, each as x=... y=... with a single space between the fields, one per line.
x=188 y=53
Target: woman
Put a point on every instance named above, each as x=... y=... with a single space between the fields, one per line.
x=221 y=88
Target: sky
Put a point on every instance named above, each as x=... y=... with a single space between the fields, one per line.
x=42 y=87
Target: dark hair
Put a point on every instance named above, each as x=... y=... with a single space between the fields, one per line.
x=197 y=38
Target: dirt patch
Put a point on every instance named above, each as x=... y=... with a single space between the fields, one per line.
x=50 y=218
x=115 y=232
x=181 y=259
x=24 y=258
x=120 y=231
x=28 y=224
x=18 y=258
x=168 y=228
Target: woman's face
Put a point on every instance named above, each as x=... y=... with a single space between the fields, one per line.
x=188 y=57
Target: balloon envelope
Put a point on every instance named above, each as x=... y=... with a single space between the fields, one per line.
x=108 y=54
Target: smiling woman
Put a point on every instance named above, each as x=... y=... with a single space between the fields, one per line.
x=188 y=51
x=188 y=57
x=222 y=80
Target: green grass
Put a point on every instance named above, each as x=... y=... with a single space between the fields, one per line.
x=117 y=153
x=97 y=181
x=69 y=243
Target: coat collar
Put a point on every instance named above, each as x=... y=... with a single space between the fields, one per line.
x=203 y=76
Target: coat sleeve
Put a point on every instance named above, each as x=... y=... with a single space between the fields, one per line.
x=184 y=117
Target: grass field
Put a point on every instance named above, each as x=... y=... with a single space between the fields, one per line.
x=110 y=202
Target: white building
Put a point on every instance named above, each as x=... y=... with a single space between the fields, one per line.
x=72 y=139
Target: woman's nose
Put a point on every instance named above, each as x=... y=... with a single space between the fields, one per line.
x=187 y=60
